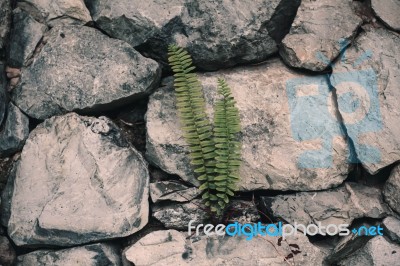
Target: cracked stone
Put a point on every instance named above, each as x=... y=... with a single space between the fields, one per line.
x=336 y=206
x=79 y=68
x=171 y=247
x=366 y=81
x=77 y=181
x=218 y=34
x=278 y=150
x=319 y=32
x=90 y=255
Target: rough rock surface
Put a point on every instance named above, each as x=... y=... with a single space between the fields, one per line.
x=170 y=248
x=81 y=69
x=319 y=32
x=90 y=255
x=15 y=131
x=337 y=206
x=173 y=191
x=25 y=36
x=5 y=22
x=378 y=251
x=366 y=82
x=288 y=142
x=77 y=181
x=392 y=188
x=7 y=253
x=178 y=215
x=242 y=212
x=55 y=12
x=3 y=99
x=391 y=227
x=216 y=33
x=388 y=11
x=346 y=245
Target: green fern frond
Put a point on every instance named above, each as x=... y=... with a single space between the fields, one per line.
x=195 y=123
x=215 y=153
x=226 y=128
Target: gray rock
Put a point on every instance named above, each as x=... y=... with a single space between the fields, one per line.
x=54 y=12
x=378 y=251
x=242 y=211
x=173 y=191
x=15 y=131
x=5 y=22
x=314 y=40
x=7 y=252
x=349 y=244
x=170 y=248
x=278 y=149
x=3 y=98
x=366 y=81
x=391 y=227
x=388 y=11
x=178 y=215
x=81 y=69
x=6 y=195
x=337 y=206
x=90 y=255
x=25 y=36
x=392 y=188
x=78 y=181
x=218 y=34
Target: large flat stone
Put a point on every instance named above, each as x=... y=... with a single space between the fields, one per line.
x=91 y=255
x=388 y=11
x=291 y=139
x=319 y=32
x=337 y=206
x=77 y=181
x=171 y=248
x=218 y=34
x=366 y=81
x=81 y=69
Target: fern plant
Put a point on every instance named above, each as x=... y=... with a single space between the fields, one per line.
x=215 y=153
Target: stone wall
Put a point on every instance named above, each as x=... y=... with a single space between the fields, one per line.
x=94 y=169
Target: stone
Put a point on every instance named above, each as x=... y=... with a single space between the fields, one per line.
x=171 y=248
x=391 y=227
x=81 y=69
x=25 y=36
x=178 y=215
x=217 y=34
x=55 y=12
x=391 y=190
x=90 y=255
x=15 y=131
x=242 y=211
x=388 y=11
x=5 y=23
x=173 y=191
x=336 y=206
x=378 y=251
x=348 y=244
x=319 y=32
x=6 y=194
x=366 y=82
x=78 y=181
x=7 y=252
x=288 y=142
x=3 y=97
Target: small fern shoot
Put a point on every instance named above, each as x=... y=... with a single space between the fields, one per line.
x=226 y=128
x=195 y=123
